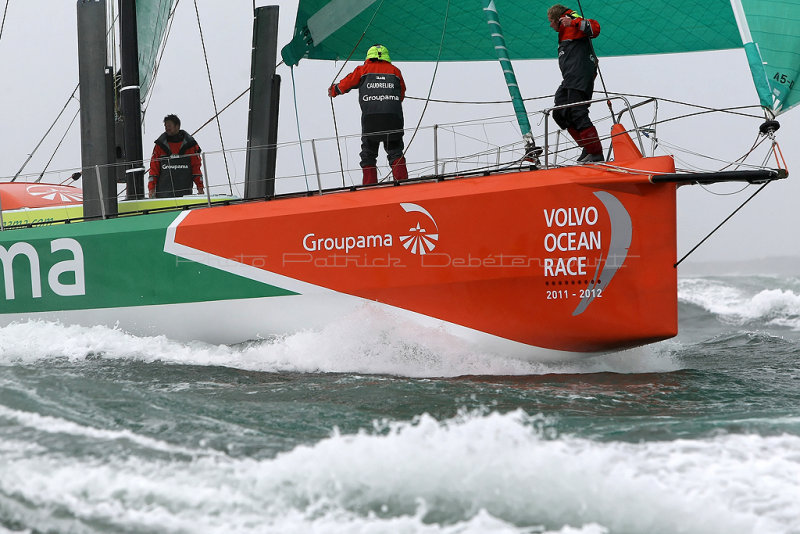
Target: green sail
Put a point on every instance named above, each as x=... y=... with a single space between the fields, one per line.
x=412 y=29
x=774 y=53
x=152 y=17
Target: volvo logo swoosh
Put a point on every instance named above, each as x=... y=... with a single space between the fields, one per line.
x=621 y=235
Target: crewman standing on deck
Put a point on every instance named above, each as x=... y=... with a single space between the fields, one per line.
x=578 y=65
x=381 y=91
x=175 y=163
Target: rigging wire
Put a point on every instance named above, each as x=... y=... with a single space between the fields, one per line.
x=760 y=139
x=111 y=40
x=704 y=112
x=723 y=222
x=41 y=175
x=30 y=156
x=333 y=110
x=599 y=72
x=740 y=160
x=706 y=108
x=209 y=121
x=433 y=80
x=297 y=120
x=336 y=133
x=229 y=104
x=473 y=102
x=729 y=110
x=213 y=98
x=675 y=147
x=3 y=25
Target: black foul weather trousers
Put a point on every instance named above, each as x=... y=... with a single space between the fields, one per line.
x=377 y=129
x=576 y=117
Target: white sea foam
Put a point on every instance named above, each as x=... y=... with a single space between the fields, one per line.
x=779 y=307
x=494 y=473
x=363 y=343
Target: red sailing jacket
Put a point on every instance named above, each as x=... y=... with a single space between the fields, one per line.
x=575 y=58
x=380 y=84
x=579 y=28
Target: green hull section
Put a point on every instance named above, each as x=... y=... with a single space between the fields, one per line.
x=110 y=263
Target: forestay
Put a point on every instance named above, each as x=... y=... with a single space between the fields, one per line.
x=768 y=30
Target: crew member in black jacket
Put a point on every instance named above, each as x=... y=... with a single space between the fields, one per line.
x=381 y=91
x=175 y=163
x=578 y=66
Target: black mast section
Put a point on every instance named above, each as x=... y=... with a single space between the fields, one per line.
x=262 y=124
x=130 y=99
x=99 y=186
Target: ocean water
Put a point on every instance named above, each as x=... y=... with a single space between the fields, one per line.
x=373 y=427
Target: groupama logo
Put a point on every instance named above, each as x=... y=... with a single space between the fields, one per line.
x=50 y=192
x=420 y=240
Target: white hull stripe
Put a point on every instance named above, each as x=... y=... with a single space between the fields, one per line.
x=234 y=267
x=314 y=307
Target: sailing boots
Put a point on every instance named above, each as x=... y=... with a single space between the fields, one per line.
x=592 y=149
x=370 y=175
x=589 y=140
x=399 y=169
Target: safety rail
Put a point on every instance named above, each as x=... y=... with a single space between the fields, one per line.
x=649 y=129
x=481 y=145
x=441 y=151
x=548 y=111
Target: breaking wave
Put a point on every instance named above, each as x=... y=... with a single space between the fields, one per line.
x=745 y=300
x=475 y=473
x=362 y=343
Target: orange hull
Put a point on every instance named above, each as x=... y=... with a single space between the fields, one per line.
x=574 y=259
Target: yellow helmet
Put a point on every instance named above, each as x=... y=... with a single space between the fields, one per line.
x=379 y=51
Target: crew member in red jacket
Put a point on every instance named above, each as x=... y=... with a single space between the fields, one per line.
x=381 y=91
x=175 y=163
x=578 y=66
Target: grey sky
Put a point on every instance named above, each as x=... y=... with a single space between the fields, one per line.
x=38 y=58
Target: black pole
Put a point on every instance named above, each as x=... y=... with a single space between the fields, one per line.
x=99 y=188
x=262 y=128
x=130 y=99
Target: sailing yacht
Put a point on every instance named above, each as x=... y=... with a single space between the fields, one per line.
x=543 y=260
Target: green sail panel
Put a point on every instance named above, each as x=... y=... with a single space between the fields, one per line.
x=412 y=30
x=152 y=17
x=774 y=54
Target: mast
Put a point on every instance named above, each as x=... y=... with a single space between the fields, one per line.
x=262 y=123
x=99 y=185
x=130 y=100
